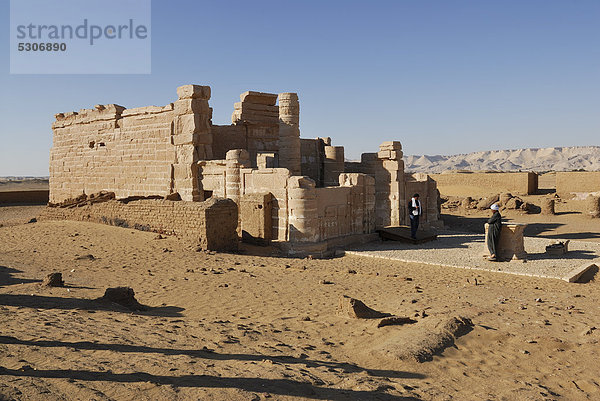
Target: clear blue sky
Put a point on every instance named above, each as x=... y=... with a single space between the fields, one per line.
x=443 y=77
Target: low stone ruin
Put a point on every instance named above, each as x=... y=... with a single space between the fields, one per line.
x=510 y=244
x=53 y=280
x=124 y=296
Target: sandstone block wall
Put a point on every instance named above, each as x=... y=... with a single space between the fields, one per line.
x=256 y=218
x=426 y=187
x=312 y=155
x=573 y=182
x=132 y=152
x=321 y=214
x=211 y=224
x=275 y=182
x=478 y=183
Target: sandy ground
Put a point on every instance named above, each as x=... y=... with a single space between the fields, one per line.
x=242 y=327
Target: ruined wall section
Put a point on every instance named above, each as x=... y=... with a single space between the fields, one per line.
x=110 y=148
x=311 y=151
x=577 y=182
x=483 y=183
x=347 y=209
x=426 y=187
x=394 y=188
x=259 y=116
x=275 y=182
x=211 y=224
x=228 y=137
x=192 y=139
x=132 y=152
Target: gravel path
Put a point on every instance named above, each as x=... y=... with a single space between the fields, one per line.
x=465 y=250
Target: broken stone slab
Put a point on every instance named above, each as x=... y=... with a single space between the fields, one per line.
x=356 y=309
x=505 y=197
x=53 y=280
x=193 y=92
x=268 y=99
x=486 y=203
x=513 y=203
x=395 y=321
x=574 y=275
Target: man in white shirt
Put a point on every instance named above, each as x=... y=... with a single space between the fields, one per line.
x=414 y=211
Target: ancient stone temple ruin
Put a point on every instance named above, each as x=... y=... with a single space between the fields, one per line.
x=298 y=194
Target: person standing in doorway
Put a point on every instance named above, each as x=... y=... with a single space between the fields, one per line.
x=414 y=212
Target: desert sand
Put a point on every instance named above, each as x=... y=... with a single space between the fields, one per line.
x=241 y=327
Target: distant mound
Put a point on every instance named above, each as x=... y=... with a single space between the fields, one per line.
x=545 y=159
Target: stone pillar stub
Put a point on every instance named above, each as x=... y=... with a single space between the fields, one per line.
x=191 y=138
x=333 y=165
x=302 y=206
x=510 y=244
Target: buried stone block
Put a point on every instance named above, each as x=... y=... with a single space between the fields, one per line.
x=356 y=309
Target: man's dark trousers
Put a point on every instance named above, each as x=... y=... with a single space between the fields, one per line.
x=414 y=225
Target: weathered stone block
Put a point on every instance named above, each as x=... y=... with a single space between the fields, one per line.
x=188 y=106
x=193 y=92
x=268 y=99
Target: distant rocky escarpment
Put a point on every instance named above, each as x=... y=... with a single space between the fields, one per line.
x=544 y=159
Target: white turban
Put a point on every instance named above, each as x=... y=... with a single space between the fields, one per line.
x=495 y=207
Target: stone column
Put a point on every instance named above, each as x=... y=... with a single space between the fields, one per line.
x=388 y=169
x=302 y=207
x=289 y=133
x=236 y=159
x=191 y=138
x=333 y=165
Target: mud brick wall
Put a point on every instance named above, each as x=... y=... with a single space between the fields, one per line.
x=573 y=182
x=520 y=183
x=211 y=224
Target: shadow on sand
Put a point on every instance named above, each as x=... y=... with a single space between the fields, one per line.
x=276 y=386
x=45 y=302
x=207 y=354
x=6 y=277
x=251 y=384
